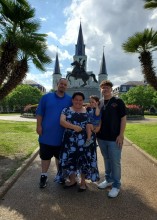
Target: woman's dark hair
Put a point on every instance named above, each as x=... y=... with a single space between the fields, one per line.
x=78 y=93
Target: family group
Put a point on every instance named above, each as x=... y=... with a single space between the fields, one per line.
x=70 y=131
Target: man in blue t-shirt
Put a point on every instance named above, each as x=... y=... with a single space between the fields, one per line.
x=48 y=126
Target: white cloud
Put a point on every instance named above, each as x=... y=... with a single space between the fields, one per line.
x=104 y=23
x=52 y=35
x=43 y=19
x=45 y=79
x=109 y=24
x=62 y=54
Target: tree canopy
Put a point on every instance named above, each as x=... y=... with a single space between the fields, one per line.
x=143 y=96
x=20 y=42
x=144 y=43
x=21 y=96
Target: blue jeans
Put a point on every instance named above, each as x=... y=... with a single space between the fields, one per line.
x=111 y=153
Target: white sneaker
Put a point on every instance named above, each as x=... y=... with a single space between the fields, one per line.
x=113 y=192
x=104 y=184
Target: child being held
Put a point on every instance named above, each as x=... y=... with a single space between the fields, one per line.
x=95 y=119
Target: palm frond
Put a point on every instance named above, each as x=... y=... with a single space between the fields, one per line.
x=38 y=64
x=150 y=4
x=141 y=41
x=20 y=42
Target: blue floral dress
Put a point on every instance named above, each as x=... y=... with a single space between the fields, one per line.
x=75 y=156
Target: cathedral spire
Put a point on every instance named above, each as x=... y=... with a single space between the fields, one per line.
x=57 y=68
x=103 y=65
x=80 y=46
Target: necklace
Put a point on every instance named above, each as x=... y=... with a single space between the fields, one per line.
x=105 y=105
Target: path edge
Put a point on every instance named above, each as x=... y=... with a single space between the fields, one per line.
x=148 y=156
x=9 y=183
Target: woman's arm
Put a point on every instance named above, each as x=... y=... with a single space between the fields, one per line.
x=67 y=124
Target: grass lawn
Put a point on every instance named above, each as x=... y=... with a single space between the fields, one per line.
x=150 y=116
x=18 y=140
x=143 y=135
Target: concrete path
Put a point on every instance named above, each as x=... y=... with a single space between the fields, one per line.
x=15 y=118
x=136 y=201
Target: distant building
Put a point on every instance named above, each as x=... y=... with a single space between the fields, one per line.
x=35 y=85
x=126 y=86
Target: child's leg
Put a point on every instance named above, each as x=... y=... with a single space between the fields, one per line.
x=89 y=128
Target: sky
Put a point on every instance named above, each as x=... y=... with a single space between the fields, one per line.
x=106 y=25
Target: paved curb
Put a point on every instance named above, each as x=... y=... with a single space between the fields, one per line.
x=150 y=158
x=8 y=184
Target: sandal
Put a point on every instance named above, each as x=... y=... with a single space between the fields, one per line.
x=82 y=189
x=69 y=186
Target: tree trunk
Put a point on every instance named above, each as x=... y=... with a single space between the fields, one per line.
x=147 y=68
x=16 y=77
x=7 y=59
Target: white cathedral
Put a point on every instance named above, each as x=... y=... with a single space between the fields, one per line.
x=81 y=79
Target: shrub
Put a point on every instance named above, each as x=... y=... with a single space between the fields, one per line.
x=149 y=113
x=134 y=110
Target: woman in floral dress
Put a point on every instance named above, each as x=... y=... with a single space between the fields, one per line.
x=76 y=156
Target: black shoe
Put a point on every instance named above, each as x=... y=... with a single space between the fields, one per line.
x=81 y=190
x=69 y=186
x=43 y=181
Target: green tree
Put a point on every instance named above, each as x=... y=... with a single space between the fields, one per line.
x=150 y=4
x=155 y=99
x=23 y=95
x=4 y=104
x=144 y=43
x=20 y=43
x=140 y=95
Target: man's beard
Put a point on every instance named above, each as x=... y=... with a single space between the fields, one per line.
x=61 y=90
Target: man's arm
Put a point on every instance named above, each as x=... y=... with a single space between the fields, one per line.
x=39 y=127
x=120 y=137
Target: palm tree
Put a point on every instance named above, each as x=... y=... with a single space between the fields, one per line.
x=20 y=43
x=144 y=43
x=150 y=4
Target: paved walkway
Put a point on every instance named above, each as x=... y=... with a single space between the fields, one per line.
x=137 y=199
x=16 y=118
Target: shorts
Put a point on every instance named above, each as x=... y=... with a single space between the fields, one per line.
x=48 y=151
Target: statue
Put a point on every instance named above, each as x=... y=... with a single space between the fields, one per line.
x=79 y=72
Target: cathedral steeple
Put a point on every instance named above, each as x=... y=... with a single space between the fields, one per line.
x=56 y=74
x=80 y=46
x=57 y=67
x=103 y=65
x=103 y=72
